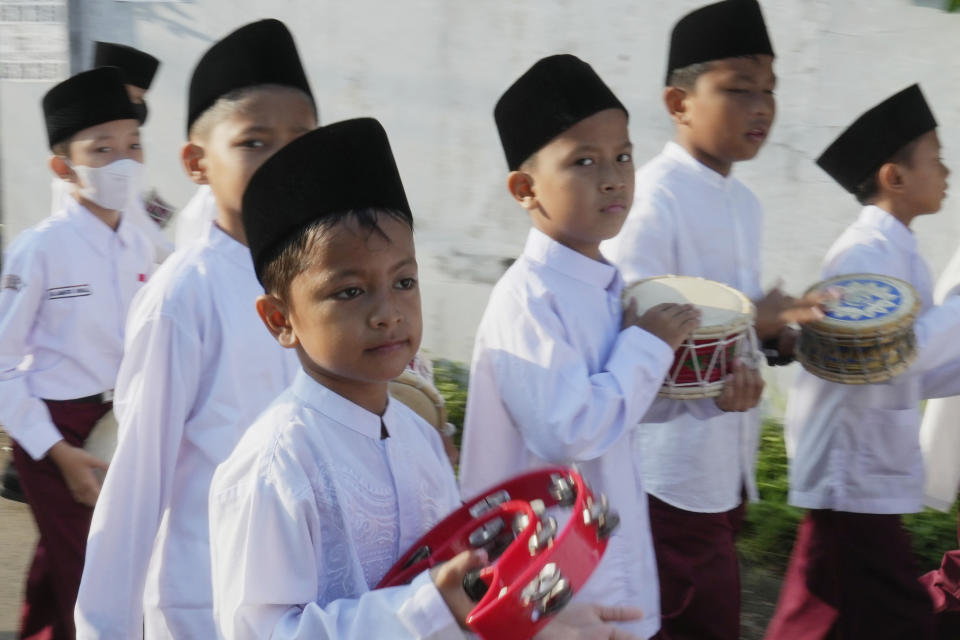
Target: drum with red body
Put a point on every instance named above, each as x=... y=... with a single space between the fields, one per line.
x=536 y=566
x=726 y=332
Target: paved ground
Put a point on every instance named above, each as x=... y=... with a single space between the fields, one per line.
x=18 y=536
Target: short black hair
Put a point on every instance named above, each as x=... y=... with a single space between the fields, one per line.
x=686 y=77
x=295 y=254
x=867 y=190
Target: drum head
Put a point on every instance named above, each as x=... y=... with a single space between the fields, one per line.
x=415 y=392
x=723 y=308
x=868 y=303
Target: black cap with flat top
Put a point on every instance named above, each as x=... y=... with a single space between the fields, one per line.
x=726 y=29
x=552 y=96
x=876 y=136
x=343 y=166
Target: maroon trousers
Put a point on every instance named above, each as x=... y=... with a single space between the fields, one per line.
x=852 y=576
x=54 y=576
x=699 y=572
x=943 y=586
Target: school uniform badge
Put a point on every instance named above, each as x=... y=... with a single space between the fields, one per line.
x=72 y=291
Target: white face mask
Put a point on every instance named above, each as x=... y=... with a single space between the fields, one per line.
x=112 y=186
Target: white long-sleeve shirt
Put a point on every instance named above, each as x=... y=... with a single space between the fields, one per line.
x=134 y=213
x=940 y=428
x=555 y=380
x=195 y=219
x=689 y=220
x=856 y=447
x=313 y=508
x=66 y=286
x=199 y=367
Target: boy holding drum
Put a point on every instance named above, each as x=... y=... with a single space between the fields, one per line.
x=855 y=454
x=560 y=373
x=691 y=217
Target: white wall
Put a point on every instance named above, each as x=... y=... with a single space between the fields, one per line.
x=431 y=71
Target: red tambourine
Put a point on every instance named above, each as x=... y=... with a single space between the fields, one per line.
x=534 y=569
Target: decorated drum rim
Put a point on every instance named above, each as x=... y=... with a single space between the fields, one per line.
x=873 y=377
x=896 y=320
x=739 y=323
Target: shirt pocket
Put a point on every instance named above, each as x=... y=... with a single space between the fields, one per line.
x=886 y=441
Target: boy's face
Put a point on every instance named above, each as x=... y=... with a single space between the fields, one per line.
x=579 y=187
x=925 y=176
x=235 y=147
x=102 y=144
x=727 y=115
x=355 y=312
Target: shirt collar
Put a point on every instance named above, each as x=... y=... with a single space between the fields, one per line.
x=335 y=407
x=891 y=228
x=543 y=249
x=236 y=252
x=680 y=155
x=92 y=229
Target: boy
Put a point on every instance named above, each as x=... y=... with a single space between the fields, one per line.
x=560 y=374
x=66 y=287
x=335 y=480
x=855 y=455
x=138 y=69
x=198 y=366
x=691 y=217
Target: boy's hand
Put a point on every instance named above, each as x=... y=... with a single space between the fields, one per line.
x=672 y=323
x=78 y=468
x=578 y=621
x=742 y=389
x=777 y=309
x=449 y=580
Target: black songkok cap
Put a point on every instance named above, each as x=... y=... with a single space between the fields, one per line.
x=84 y=100
x=876 y=136
x=552 y=96
x=258 y=53
x=137 y=67
x=343 y=166
x=725 y=29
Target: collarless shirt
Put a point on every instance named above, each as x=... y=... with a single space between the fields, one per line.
x=856 y=447
x=689 y=220
x=336 y=506
x=199 y=367
x=64 y=293
x=554 y=380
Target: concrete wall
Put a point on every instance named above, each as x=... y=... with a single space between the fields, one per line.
x=431 y=70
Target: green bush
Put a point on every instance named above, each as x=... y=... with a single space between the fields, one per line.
x=451 y=379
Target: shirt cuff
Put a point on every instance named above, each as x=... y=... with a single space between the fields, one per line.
x=37 y=440
x=649 y=346
x=425 y=614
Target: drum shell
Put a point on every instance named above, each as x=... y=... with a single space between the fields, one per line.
x=859 y=355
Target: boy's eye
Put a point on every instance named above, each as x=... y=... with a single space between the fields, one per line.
x=348 y=294
x=624 y=157
x=583 y=162
x=406 y=283
x=252 y=144
x=136 y=146
x=104 y=149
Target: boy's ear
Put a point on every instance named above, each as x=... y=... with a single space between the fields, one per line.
x=59 y=166
x=275 y=316
x=192 y=156
x=675 y=100
x=520 y=185
x=890 y=178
